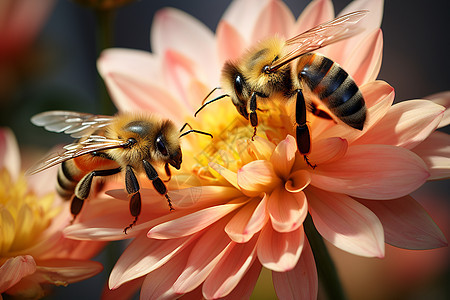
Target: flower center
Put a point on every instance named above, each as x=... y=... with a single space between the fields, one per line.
x=23 y=215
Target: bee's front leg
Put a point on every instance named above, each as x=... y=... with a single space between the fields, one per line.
x=303 y=136
x=132 y=186
x=158 y=184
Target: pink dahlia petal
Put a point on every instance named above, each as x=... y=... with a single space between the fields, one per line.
x=365 y=62
x=143 y=256
x=406 y=224
x=328 y=150
x=65 y=271
x=435 y=152
x=283 y=157
x=14 y=269
x=405 y=125
x=261 y=148
x=193 y=222
x=246 y=285
x=205 y=255
x=248 y=220
x=230 y=43
x=230 y=176
x=280 y=251
x=346 y=223
x=373 y=172
x=287 y=210
x=300 y=282
x=9 y=152
x=257 y=176
x=315 y=13
x=226 y=276
x=341 y=51
x=242 y=14
x=159 y=283
x=442 y=98
x=177 y=30
x=297 y=181
x=276 y=19
x=125 y=291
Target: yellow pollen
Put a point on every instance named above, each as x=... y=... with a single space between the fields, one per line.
x=23 y=215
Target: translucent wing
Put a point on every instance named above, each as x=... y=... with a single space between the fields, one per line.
x=322 y=35
x=89 y=145
x=74 y=123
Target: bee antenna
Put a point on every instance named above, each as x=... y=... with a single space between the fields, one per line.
x=192 y=130
x=208 y=102
x=209 y=94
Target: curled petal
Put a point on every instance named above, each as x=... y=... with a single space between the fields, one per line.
x=328 y=150
x=406 y=224
x=287 y=210
x=283 y=156
x=14 y=269
x=9 y=152
x=256 y=177
x=346 y=223
x=302 y=281
x=405 y=125
x=279 y=251
x=275 y=19
x=143 y=256
x=373 y=172
x=226 y=276
x=442 y=98
x=435 y=152
x=248 y=220
x=297 y=181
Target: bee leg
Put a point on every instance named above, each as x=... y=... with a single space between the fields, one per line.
x=253 y=115
x=84 y=187
x=132 y=186
x=168 y=172
x=158 y=184
x=302 y=130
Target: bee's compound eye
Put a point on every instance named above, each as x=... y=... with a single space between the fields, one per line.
x=131 y=142
x=238 y=84
x=160 y=145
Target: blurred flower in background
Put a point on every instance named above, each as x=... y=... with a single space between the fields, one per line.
x=34 y=254
x=255 y=195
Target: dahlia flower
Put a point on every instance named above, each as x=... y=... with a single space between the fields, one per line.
x=240 y=204
x=33 y=251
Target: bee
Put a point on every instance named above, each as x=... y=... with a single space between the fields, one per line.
x=108 y=145
x=268 y=71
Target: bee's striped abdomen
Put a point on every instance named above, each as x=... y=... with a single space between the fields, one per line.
x=335 y=88
x=67 y=180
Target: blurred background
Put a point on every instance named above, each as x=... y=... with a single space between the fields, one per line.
x=56 y=69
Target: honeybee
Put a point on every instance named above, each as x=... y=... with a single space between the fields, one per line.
x=108 y=145
x=268 y=70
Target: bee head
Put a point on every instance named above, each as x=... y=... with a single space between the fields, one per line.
x=235 y=84
x=167 y=144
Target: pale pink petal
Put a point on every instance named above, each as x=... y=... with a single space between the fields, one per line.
x=297 y=181
x=177 y=30
x=287 y=210
x=442 y=98
x=256 y=177
x=302 y=281
x=248 y=220
x=65 y=271
x=365 y=62
x=14 y=269
x=328 y=150
x=276 y=19
x=125 y=291
x=193 y=222
x=372 y=172
x=346 y=223
x=378 y=96
x=261 y=148
x=226 y=276
x=247 y=284
x=9 y=152
x=205 y=255
x=406 y=224
x=315 y=13
x=230 y=176
x=159 y=283
x=143 y=256
x=230 y=44
x=280 y=251
x=284 y=156
x=242 y=14
x=435 y=152
x=340 y=52
x=405 y=125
